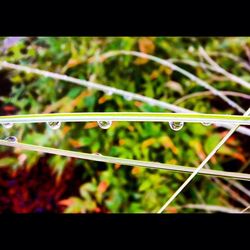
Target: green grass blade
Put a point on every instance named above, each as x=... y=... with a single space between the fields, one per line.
x=127 y=116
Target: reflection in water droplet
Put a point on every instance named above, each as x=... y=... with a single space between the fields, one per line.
x=176 y=126
x=12 y=139
x=8 y=125
x=104 y=124
x=54 y=125
x=206 y=123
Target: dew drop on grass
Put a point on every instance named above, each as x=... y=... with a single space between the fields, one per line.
x=97 y=154
x=8 y=125
x=54 y=125
x=104 y=124
x=11 y=139
x=206 y=123
x=176 y=126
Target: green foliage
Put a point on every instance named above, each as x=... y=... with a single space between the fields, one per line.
x=118 y=188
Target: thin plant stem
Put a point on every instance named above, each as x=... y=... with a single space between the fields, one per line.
x=212 y=208
x=233 y=57
x=126 y=116
x=239 y=187
x=223 y=71
x=123 y=161
x=226 y=189
x=208 y=93
x=97 y=86
x=244 y=210
x=243 y=168
x=207 y=67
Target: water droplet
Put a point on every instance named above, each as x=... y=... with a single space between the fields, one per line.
x=8 y=125
x=176 y=126
x=104 y=124
x=54 y=125
x=206 y=123
x=11 y=139
x=128 y=97
x=96 y=154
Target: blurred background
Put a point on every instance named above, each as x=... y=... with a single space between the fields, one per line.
x=31 y=182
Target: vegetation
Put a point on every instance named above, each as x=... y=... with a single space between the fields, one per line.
x=157 y=74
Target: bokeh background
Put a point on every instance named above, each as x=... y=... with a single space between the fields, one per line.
x=35 y=183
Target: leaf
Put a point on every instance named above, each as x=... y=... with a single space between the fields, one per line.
x=89 y=125
x=103 y=186
x=58 y=164
x=211 y=143
x=66 y=202
x=145 y=185
x=140 y=61
x=225 y=150
x=7 y=162
x=136 y=170
x=115 y=200
x=75 y=143
x=74 y=92
x=73 y=62
x=76 y=205
x=198 y=129
x=168 y=143
x=175 y=86
x=147 y=143
x=102 y=100
x=146 y=45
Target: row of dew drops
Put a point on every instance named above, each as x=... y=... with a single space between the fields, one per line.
x=176 y=126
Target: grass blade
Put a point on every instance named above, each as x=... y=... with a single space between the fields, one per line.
x=126 y=162
x=208 y=93
x=127 y=116
x=212 y=208
x=223 y=71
